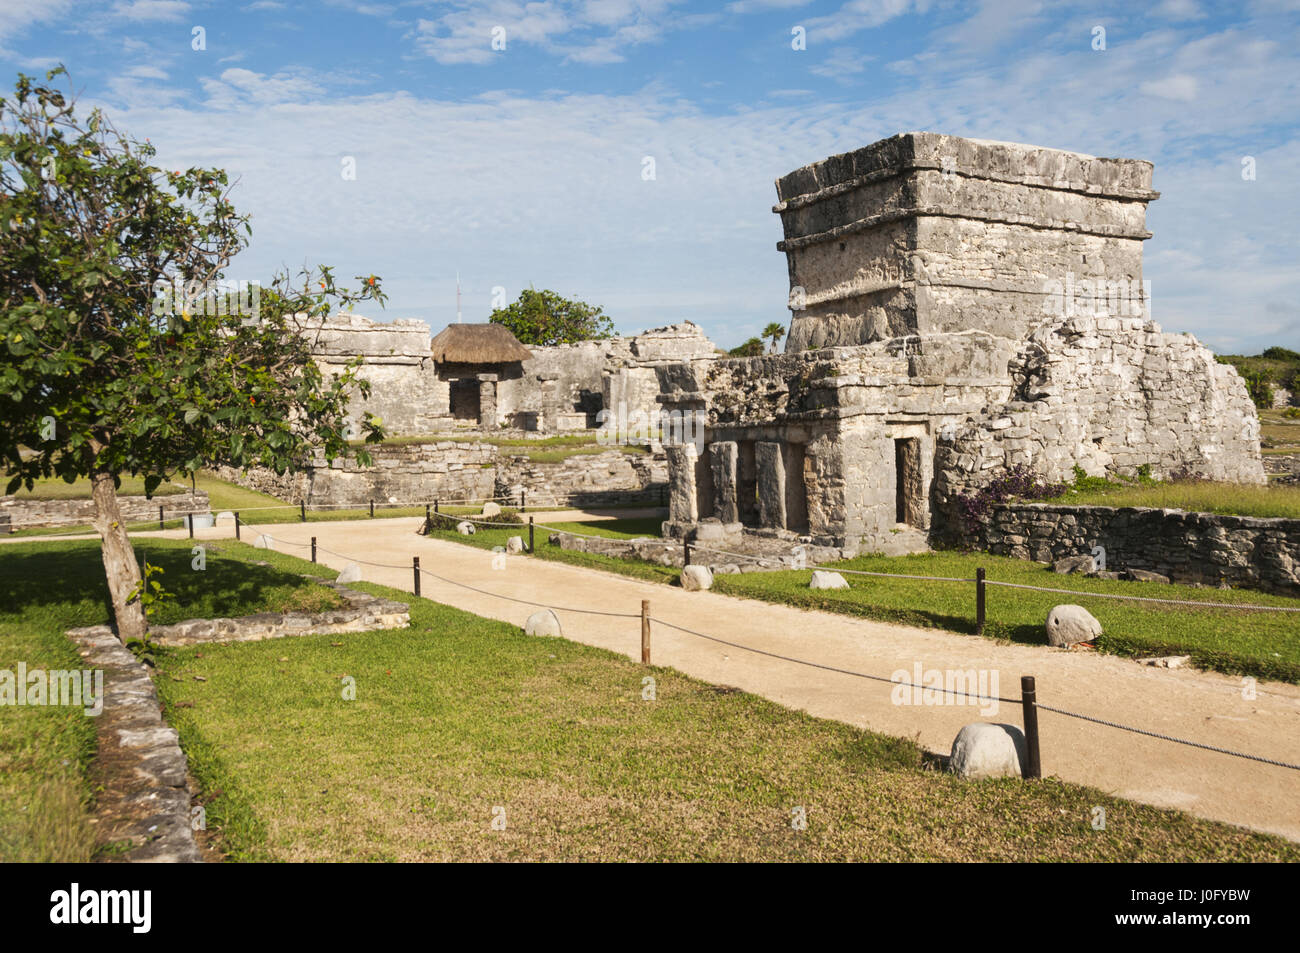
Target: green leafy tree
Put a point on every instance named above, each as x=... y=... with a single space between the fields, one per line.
x=774 y=332
x=115 y=356
x=751 y=348
x=544 y=318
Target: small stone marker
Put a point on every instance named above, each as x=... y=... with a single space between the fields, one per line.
x=465 y=528
x=821 y=579
x=983 y=750
x=264 y=542
x=1073 y=564
x=515 y=545
x=203 y=520
x=491 y=509
x=225 y=516
x=351 y=573
x=696 y=578
x=542 y=622
x=1069 y=624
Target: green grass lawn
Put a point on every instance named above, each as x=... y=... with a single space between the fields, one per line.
x=1264 y=644
x=1231 y=499
x=461 y=719
x=49 y=587
x=54 y=488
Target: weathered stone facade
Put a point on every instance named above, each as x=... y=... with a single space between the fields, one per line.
x=959 y=306
x=1203 y=548
x=558 y=389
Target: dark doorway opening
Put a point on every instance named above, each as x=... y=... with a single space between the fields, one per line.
x=907 y=481
x=464 y=399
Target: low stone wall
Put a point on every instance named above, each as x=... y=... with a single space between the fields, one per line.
x=363 y=613
x=609 y=478
x=1203 y=548
x=766 y=555
x=21 y=513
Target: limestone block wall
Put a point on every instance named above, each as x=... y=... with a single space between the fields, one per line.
x=926 y=233
x=612 y=477
x=1110 y=395
x=22 y=513
x=1201 y=548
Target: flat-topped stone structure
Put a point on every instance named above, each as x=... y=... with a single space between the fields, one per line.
x=924 y=233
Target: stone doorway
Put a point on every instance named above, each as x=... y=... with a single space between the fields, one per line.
x=908 y=482
x=465 y=399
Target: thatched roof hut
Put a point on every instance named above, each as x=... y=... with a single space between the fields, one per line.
x=477 y=344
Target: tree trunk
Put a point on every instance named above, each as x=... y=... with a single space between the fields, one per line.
x=120 y=568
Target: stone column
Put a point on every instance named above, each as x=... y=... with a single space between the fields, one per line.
x=722 y=458
x=487 y=401
x=771 y=485
x=683 y=506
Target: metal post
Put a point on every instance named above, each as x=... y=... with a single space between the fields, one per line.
x=415 y=568
x=160 y=517
x=313 y=549
x=302 y=510
x=645 y=631
x=372 y=509
x=236 y=526
x=1029 y=700
x=530 y=534
x=979 y=601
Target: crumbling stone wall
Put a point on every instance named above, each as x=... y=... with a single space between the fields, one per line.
x=1203 y=548
x=1109 y=395
x=18 y=512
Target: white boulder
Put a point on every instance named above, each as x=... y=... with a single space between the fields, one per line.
x=515 y=545
x=491 y=509
x=821 y=579
x=264 y=542
x=1070 y=624
x=983 y=750
x=351 y=573
x=696 y=578
x=465 y=528
x=542 y=622
x=225 y=516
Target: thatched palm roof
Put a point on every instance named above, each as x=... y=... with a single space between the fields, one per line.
x=477 y=344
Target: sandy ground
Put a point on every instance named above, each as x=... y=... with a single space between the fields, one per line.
x=1199 y=706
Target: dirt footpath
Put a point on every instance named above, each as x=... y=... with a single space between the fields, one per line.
x=1199 y=706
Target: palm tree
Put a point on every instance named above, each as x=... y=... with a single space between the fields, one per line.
x=775 y=331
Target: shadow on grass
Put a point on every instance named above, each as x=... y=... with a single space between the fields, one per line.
x=51 y=575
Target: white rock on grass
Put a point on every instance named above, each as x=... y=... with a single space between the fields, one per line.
x=491 y=509
x=1070 y=624
x=264 y=542
x=515 y=545
x=543 y=622
x=465 y=528
x=696 y=578
x=351 y=573
x=821 y=579
x=225 y=516
x=983 y=750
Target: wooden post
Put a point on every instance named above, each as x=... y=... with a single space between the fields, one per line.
x=435 y=506
x=190 y=519
x=415 y=568
x=645 y=631
x=1029 y=701
x=372 y=509
x=979 y=601
x=160 y=517
x=686 y=554
x=426 y=512
x=313 y=549
x=236 y=526
x=523 y=500
x=302 y=510
x=530 y=534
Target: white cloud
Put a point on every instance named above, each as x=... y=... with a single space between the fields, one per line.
x=856 y=16
x=19 y=16
x=842 y=62
x=1180 y=87
x=1180 y=10
x=147 y=10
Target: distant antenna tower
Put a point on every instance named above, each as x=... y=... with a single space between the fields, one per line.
x=458 y=297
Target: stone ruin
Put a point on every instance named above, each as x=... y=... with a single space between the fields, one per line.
x=959 y=306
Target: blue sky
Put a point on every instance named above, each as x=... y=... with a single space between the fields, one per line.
x=524 y=165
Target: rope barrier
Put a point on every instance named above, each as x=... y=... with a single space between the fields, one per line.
x=1172 y=602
